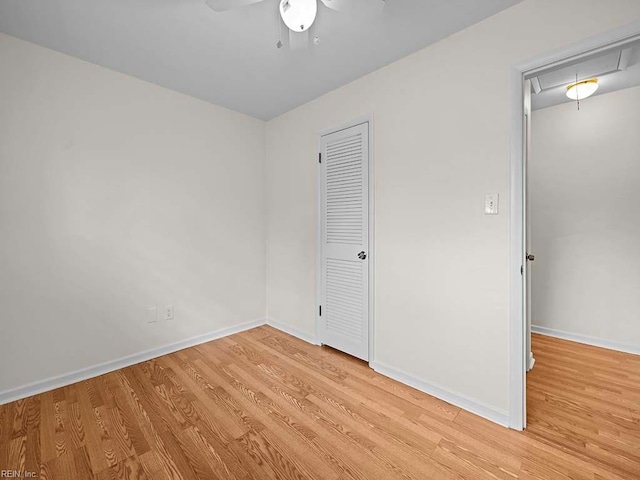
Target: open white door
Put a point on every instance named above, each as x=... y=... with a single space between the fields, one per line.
x=529 y=360
x=344 y=256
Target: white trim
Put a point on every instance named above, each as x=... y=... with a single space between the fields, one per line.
x=576 y=337
x=517 y=369
x=612 y=39
x=372 y=239
x=318 y=236
x=294 y=332
x=369 y=119
x=110 y=366
x=498 y=416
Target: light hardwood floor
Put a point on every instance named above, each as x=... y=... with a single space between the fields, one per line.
x=264 y=405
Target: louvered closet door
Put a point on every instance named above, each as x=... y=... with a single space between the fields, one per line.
x=344 y=317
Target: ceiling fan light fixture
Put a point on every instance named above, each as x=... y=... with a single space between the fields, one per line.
x=298 y=15
x=583 y=89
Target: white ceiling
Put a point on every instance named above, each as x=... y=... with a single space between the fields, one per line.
x=230 y=58
x=615 y=70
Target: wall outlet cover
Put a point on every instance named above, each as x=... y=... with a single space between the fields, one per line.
x=491 y=204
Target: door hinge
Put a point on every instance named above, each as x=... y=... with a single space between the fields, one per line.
x=319 y=157
x=521 y=270
x=320 y=310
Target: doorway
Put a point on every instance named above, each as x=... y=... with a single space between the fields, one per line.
x=345 y=240
x=523 y=82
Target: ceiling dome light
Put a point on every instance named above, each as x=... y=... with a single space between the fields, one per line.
x=583 y=89
x=298 y=15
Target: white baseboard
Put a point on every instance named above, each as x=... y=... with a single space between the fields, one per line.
x=96 y=370
x=496 y=416
x=596 y=342
x=292 y=331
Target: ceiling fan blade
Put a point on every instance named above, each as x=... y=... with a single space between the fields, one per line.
x=222 y=5
x=355 y=6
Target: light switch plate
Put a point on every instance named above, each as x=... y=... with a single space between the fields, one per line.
x=491 y=204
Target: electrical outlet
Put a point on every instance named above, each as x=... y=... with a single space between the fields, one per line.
x=168 y=312
x=491 y=204
x=152 y=314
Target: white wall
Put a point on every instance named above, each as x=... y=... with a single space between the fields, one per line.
x=584 y=181
x=441 y=143
x=115 y=195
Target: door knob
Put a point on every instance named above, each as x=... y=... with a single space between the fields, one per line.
x=531 y=257
x=362 y=255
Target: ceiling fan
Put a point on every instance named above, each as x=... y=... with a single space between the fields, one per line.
x=299 y=16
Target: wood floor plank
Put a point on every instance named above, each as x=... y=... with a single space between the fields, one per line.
x=19 y=427
x=58 y=467
x=76 y=428
x=33 y=459
x=81 y=463
x=47 y=427
x=61 y=425
x=264 y=405
x=6 y=414
x=17 y=449
x=149 y=430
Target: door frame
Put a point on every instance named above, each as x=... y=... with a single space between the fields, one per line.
x=517 y=318
x=371 y=257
